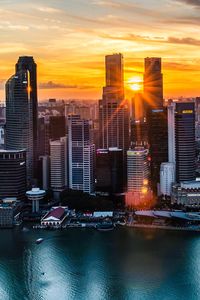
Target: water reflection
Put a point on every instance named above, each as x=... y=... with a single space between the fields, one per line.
x=86 y=264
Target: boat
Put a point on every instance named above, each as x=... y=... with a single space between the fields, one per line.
x=40 y=240
x=105 y=226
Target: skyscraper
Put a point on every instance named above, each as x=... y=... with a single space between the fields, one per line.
x=21 y=113
x=181 y=124
x=137 y=169
x=113 y=109
x=158 y=143
x=81 y=151
x=167 y=178
x=12 y=174
x=153 y=82
x=58 y=165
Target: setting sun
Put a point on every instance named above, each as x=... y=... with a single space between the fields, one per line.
x=135 y=83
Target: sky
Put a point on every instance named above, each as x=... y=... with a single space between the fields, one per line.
x=70 y=38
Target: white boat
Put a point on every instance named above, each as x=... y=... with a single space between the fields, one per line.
x=40 y=240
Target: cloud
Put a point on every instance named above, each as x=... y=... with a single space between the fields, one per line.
x=49 y=10
x=184 y=41
x=54 y=85
x=171 y=40
x=195 y=3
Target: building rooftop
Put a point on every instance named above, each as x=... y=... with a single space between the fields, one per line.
x=35 y=192
x=12 y=151
x=56 y=213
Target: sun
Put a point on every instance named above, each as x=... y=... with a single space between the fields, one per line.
x=135 y=83
x=135 y=86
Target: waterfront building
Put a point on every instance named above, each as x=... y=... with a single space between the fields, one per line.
x=153 y=83
x=167 y=178
x=55 y=217
x=113 y=108
x=186 y=194
x=137 y=170
x=109 y=175
x=35 y=196
x=21 y=113
x=13 y=174
x=138 y=190
x=58 y=159
x=8 y=210
x=81 y=154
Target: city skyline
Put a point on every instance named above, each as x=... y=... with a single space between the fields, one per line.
x=53 y=32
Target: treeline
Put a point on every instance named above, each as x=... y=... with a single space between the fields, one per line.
x=81 y=201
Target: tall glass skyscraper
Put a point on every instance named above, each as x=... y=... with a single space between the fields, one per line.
x=153 y=82
x=21 y=113
x=181 y=127
x=113 y=109
x=81 y=152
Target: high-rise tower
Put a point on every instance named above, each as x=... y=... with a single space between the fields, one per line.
x=181 y=128
x=21 y=112
x=153 y=82
x=81 y=151
x=113 y=109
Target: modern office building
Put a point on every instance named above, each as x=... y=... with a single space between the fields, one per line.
x=181 y=130
x=58 y=165
x=185 y=141
x=8 y=212
x=158 y=143
x=109 y=175
x=186 y=193
x=137 y=169
x=138 y=193
x=167 y=178
x=139 y=133
x=138 y=107
x=44 y=172
x=13 y=174
x=81 y=153
x=21 y=113
x=113 y=109
x=57 y=127
x=103 y=172
x=153 y=83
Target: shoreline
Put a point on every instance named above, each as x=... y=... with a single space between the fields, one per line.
x=163 y=227
x=137 y=225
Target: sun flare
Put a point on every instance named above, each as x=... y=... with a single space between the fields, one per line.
x=135 y=83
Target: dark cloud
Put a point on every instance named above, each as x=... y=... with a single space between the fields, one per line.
x=184 y=41
x=54 y=85
x=170 y=40
x=180 y=66
x=191 y=2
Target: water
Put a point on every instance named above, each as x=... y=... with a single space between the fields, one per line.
x=86 y=264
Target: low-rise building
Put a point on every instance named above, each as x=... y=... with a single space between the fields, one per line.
x=7 y=212
x=186 y=194
x=55 y=217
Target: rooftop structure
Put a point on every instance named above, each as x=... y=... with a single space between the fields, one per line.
x=35 y=195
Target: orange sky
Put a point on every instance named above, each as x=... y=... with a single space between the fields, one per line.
x=69 y=40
